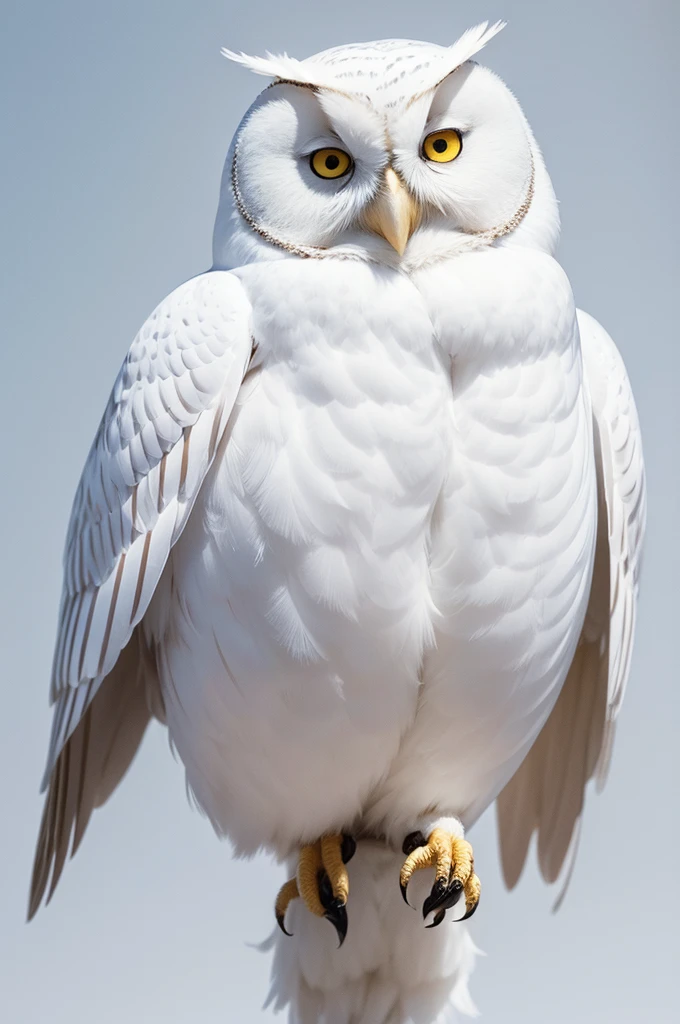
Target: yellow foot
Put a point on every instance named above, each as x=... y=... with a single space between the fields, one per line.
x=453 y=862
x=322 y=882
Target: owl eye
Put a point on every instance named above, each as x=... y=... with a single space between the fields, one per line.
x=330 y=163
x=443 y=146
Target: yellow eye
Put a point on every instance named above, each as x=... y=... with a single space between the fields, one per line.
x=330 y=163
x=442 y=146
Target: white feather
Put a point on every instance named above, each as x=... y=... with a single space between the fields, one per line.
x=322 y=71
x=357 y=576
x=393 y=972
x=548 y=792
x=118 y=541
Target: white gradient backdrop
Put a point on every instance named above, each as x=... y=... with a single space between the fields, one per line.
x=117 y=119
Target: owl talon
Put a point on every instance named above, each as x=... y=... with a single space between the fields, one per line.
x=453 y=861
x=348 y=847
x=404 y=895
x=322 y=882
x=336 y=913
x=287 y=892
x=412 y=842
x=442 y=897
x=334 y=907
x=472 y=890
x=439 y=917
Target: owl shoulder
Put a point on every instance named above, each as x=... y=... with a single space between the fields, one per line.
x=500 y=295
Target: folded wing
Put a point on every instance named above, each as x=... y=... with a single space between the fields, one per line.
x=158 y=436
x=546 y=794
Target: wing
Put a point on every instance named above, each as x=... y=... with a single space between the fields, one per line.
x=158 y=436
x=547 y=792
x=91 y=763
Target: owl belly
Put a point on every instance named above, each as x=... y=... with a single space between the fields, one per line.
x=295 y=608
x=512 y=551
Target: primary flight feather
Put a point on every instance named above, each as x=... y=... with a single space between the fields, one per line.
x=362 y=525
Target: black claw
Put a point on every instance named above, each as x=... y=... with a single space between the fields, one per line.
x=404 y=889
x=454 y=894
x=438 y=918
x=442 y=896
x=348 y=848
x=413 y=841
x=281 y=923
x=336 y=913
x=470 y=912
x=325 y=889
x=436 y=897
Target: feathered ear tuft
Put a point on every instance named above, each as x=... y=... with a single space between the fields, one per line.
x=282 y=66
x=318 y=75
x=472 y=41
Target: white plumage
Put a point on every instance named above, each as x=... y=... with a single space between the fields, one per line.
x=338 y=526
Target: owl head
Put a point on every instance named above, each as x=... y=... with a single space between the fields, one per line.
x=396 y=152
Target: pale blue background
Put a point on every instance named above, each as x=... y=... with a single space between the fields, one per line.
x=117 y=119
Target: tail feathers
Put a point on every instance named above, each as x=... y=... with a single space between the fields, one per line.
x=390 y=970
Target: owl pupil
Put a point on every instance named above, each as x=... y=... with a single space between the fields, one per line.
x=440 y=145
x=332 y=162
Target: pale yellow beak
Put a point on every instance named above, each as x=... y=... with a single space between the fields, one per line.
x=394 y=213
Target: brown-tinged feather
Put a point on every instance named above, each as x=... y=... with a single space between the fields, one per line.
x=184 y=466
x=86 y=634
x=214 y=433
x=59 y=836
x=112 y=612
x=141 y=574
x=92 y=763
x=161 y=482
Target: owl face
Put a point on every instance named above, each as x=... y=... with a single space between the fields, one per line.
x=388 y=151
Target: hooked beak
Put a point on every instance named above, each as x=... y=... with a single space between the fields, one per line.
x=394 y=213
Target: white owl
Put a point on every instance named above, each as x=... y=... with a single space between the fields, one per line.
x=362 y=525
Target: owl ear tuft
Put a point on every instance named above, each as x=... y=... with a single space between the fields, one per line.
x=317 y=75
x=283 y=67
x=472 y=41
